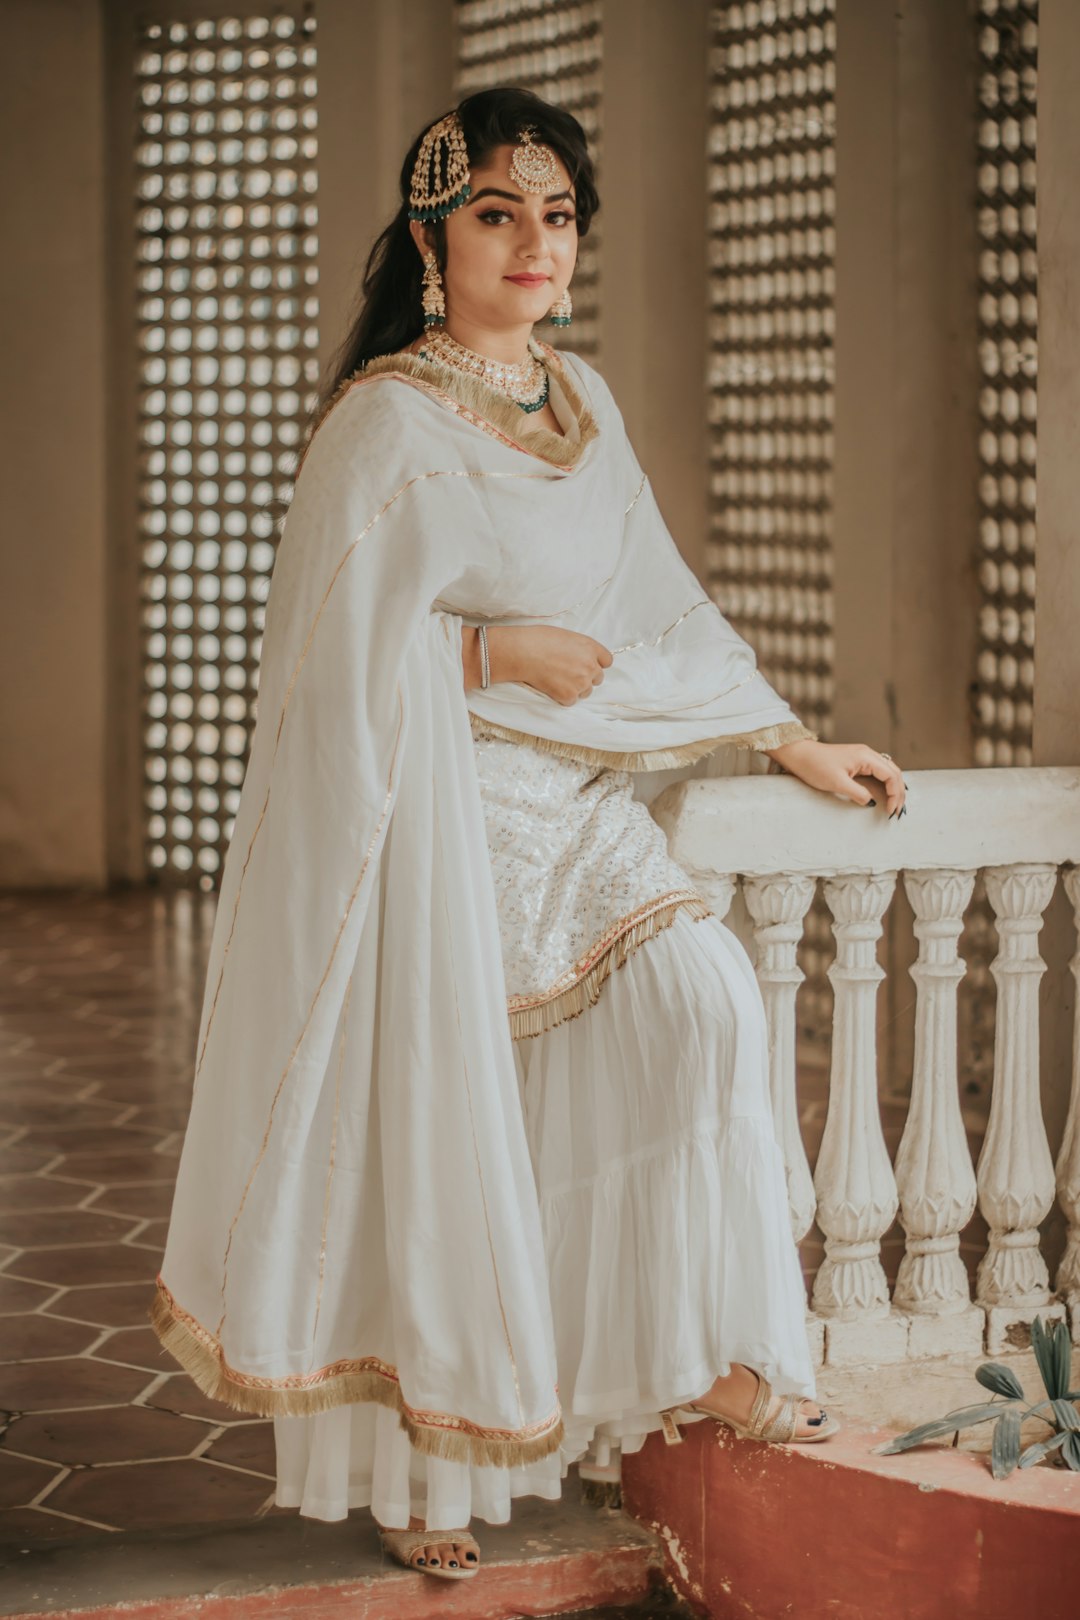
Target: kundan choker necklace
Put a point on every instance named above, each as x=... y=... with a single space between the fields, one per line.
x=525 y=382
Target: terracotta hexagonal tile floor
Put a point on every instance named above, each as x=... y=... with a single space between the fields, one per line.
x=99 y=1003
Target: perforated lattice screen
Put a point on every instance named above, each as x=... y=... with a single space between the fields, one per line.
x=227 y=306
x=1007 y=43
x=556 y=50
x=770 y=362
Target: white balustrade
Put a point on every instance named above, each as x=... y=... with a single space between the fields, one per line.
x=854 y=1178
x=1015 y=1172
x=778 y=907
x=934 y=1174
x=775 y=837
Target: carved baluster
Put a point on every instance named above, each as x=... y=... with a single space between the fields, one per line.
x=778 y=906
x=856 y=1192
x=934 y=1174
x=718 y=888
x=1015 y=1173
x=1068 y=1160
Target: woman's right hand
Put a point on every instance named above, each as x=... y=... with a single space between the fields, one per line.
x=563 y=664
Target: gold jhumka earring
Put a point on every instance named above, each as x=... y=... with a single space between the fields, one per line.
x=432 y=297
x=440 y=183
x=561 y=312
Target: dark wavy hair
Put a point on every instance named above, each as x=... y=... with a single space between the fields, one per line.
x=390 y=315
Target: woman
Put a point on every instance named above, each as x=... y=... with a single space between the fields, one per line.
x=458 y=1203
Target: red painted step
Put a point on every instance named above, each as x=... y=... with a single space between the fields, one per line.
x=835 y=1532
x=552 y=1559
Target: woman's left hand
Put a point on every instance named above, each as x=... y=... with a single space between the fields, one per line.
x=834 y=767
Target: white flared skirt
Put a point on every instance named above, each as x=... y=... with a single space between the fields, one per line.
x=669 y=1250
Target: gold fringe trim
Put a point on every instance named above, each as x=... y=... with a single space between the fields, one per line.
x=656 y=759
x=434 y=1434
x=534 y=1019
x=483 y=406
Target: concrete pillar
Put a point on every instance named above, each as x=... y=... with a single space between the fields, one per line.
x=906 y=470
x=653 y=278
x=52 y=427
x=1057 y=562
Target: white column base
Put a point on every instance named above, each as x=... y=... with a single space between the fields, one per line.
x=1008 y=1326
x=875 y=1338
x=955 y=1333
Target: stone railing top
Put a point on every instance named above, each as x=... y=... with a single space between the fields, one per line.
x=758 y=825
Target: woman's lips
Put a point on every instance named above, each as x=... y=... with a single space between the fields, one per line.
x=528 y=281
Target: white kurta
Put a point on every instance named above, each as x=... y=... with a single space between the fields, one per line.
x=660 y=1180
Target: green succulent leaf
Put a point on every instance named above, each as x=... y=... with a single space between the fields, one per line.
x=1063 y=1356
x=1070 y=1450
x=960 y=1419
x=1052 y=1349
x=1067 y=1415
x=1042 y=1448
x=1005 y=1446
x=1001 y=1379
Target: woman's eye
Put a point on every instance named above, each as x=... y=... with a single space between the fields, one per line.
x=494 y=213
x=562 y=216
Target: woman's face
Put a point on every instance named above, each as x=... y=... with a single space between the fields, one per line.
x=509 y=254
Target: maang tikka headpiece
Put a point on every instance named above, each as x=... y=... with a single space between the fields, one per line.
x=534 y=167
x=440 y=177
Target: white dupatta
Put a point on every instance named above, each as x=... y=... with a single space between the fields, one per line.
x=355 y=1216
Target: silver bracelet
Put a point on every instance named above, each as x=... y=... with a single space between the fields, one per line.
x=485 y=662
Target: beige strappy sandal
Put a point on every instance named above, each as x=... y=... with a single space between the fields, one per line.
x=779 y=1429
x=401 y=1544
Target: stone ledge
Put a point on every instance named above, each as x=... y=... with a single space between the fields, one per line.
x=553 y=1558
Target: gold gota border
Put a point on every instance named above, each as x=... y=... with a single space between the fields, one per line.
x=637 y=495
x=340 y=1383
x=533 y=1015
x=419 y=478
x=632 y=646
x=655 y=759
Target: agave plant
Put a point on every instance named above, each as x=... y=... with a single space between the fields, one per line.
x=1053 y=1350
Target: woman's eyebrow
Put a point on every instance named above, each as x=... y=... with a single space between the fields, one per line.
x=513 y=196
